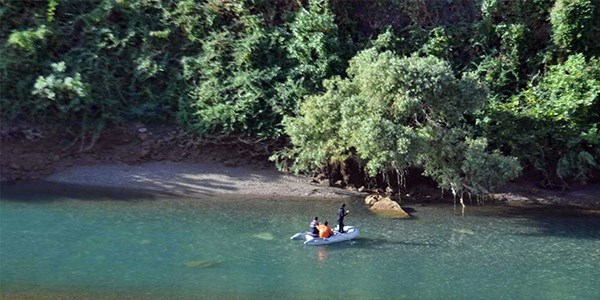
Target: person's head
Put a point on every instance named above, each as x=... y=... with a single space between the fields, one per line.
x=343 y=205
x=316 y=218
x=325 y=223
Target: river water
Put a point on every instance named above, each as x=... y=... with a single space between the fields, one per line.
x=66 y=241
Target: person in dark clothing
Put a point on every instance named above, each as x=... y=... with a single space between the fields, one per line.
x=342 y=212
x=313 y=227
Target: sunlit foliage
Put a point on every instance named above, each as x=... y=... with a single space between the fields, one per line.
x=392 y=113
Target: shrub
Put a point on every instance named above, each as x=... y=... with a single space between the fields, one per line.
x=392 y=113
x=572 y=22
x=554 y=125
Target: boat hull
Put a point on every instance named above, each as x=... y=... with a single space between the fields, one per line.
x=350 y=233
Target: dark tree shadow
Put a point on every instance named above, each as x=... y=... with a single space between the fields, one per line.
x=556 y=221
x=41 y=192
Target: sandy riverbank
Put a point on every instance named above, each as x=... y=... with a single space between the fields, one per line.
x=199 y=178
x=204 y=178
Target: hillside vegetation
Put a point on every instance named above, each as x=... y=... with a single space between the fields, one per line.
x=468 y=92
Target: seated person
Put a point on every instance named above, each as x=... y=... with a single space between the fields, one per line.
x=313 y=227
x=325 y=231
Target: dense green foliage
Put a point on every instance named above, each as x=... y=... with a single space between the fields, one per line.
x=405 y=81
x=554 y=124
x=572 y=25
x=230 y=79
x=392 y=113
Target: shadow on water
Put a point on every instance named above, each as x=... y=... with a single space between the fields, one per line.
x=41 y=192
x=410 y=210
x=552 y=220
x=375 y=243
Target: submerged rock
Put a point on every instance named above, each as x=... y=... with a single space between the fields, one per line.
x=388 y=208
x=200 y=263
x=264 y=236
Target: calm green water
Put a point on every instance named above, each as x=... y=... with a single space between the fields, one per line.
x=62 y=241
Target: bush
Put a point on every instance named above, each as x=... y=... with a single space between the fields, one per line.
x=230 y=82
x=501 y=70
x=393 y=113
x=572 y=22
x=312 y=55
x=554 y=125
x=28 y=39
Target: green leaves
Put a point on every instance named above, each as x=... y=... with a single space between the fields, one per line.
x=245 y=81
x=255 y=68
x=567 y=92
x=484 y=171
x=438 y=44
x=312 y=55
x=63 y=94
x=572 y=25
x=394 y=112
x=27 y=40
x=72 y=89
x=314 y=41
x=229 y=82
x=502 y=71
x=553 y=125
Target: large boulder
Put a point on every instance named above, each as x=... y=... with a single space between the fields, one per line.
x=388 y=208
x=372 y=199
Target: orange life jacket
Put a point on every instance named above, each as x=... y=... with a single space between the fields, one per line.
x=324 y=231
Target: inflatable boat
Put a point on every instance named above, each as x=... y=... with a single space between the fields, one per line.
x=350 y=232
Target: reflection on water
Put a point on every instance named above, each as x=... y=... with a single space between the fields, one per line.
x=322 y=254
x=71 y=242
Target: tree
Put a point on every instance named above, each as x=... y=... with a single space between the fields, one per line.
x=312 y=54
x=554 y=125
x=230 y=82
x=572 y=28
x=392 y=113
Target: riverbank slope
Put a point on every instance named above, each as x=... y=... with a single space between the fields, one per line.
x=162 y=158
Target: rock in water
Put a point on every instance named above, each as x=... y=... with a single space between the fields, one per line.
x=264 y=236
x=200 y=263
x=388 y=208
x=372 y=199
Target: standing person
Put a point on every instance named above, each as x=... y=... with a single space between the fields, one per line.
x=342 y=212
x=313 y=226
x=325 y=231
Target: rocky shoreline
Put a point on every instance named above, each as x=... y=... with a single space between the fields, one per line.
x=165 y=159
